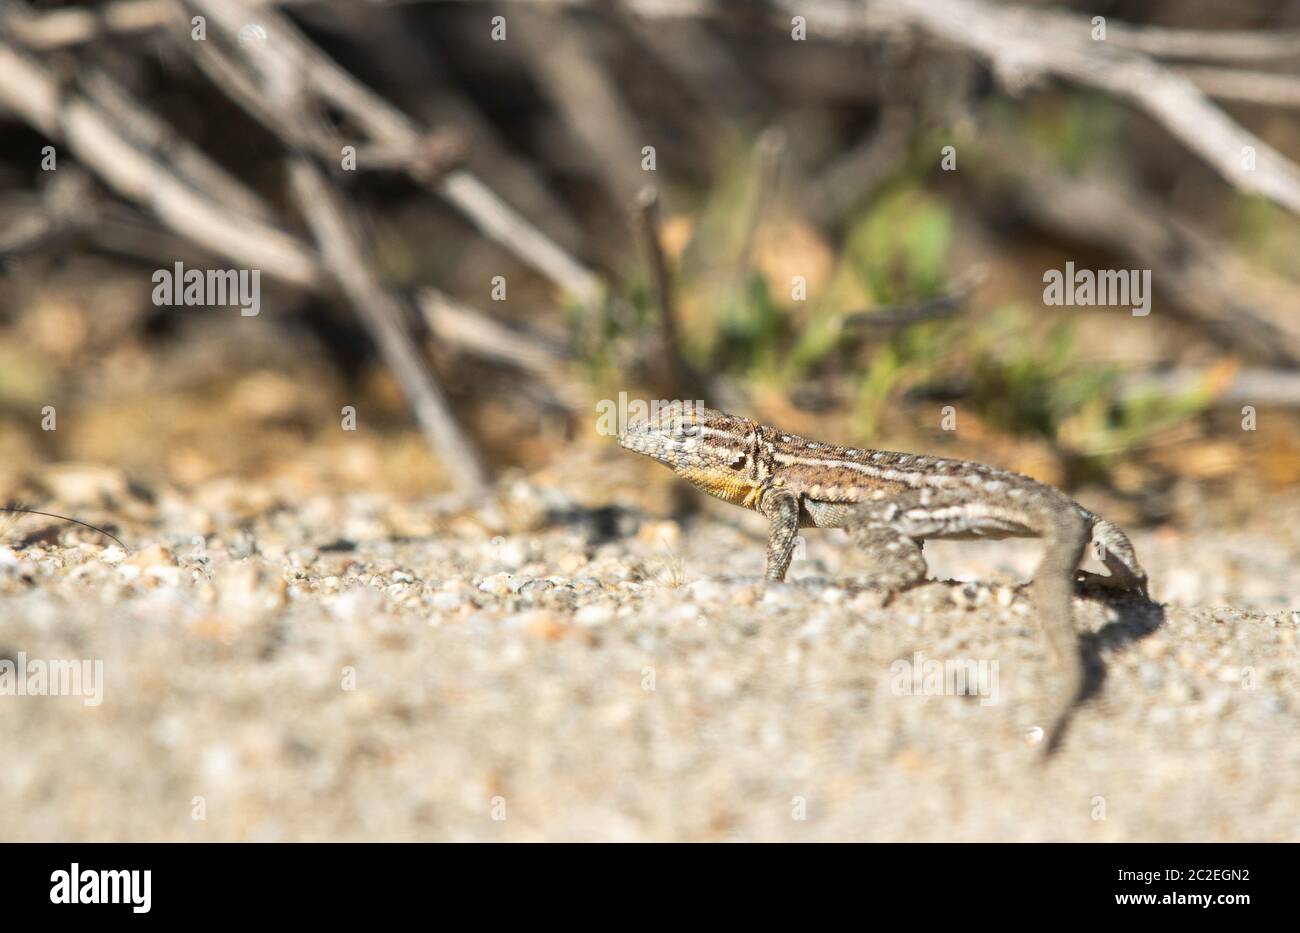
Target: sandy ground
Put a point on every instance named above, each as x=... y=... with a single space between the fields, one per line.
x=347 y=667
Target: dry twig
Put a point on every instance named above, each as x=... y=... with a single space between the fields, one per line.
x=672 y=374
x=33 y=93
x=287 y=65
x=1023 y=46
x=1251 y=87
x=894 y=317
x=456 y=324
x=387 y=322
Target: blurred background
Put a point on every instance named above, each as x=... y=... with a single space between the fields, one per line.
x=501 y=193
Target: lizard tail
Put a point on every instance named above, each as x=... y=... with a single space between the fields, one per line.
x=1065 y=532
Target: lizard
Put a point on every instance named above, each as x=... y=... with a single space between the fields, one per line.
x=890 y=503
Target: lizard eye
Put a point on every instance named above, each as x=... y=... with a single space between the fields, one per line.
x=738 y=462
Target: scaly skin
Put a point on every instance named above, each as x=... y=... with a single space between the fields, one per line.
x=890 y=503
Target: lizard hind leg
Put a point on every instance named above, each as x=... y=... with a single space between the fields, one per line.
x=893 y=531
x=896 y=559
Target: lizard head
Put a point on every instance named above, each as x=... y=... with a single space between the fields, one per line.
x=714 y=451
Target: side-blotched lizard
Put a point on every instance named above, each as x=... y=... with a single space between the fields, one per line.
x=890 y=503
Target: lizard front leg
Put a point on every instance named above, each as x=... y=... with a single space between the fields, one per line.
x=782 y=509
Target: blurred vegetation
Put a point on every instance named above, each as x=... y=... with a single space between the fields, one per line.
x=744 y=176
x=1020 y=376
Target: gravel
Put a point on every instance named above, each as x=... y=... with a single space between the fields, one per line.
x=351 y=667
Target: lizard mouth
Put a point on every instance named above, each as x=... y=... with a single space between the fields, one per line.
x=653 y=442
x=641 y=439
x=633 y=436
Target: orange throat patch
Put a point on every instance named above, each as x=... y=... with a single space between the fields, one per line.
x=729 y=487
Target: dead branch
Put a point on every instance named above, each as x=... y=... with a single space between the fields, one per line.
x=1256 y=386
x=687 y=48
x=53 y=29
x=387 y=322
x=402 y=57
x=104 y=143
x=58 y=28
x=458 y=325
x=890 y=318
x=287 y=63
x=768 y=153
x=1250 y=87
x=1022 y=43
x=578 y=86
x=30 y=91
x=673 y=376
x=1202 y=45
x=192 y=164
x=852 y=177
x=1023 y=46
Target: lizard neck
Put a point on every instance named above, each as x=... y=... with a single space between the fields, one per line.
x=736 y=488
